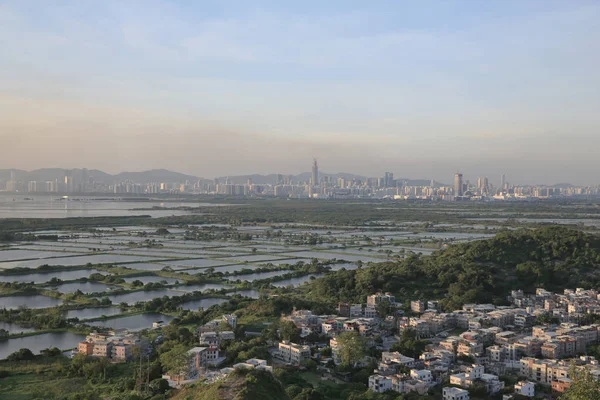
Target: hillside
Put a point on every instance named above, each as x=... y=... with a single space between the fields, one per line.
x=483 y=271
x=51 y=174
x=239 y=385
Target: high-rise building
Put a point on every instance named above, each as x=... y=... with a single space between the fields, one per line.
x=482 y=184
x=69 y=188
x=315 y=173
x=502 y=181
x=389 y=179
x=458 y=184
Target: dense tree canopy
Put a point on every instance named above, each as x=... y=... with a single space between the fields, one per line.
x=482 y=271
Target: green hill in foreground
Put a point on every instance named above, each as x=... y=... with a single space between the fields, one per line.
x=483 y=271
x=239 y=385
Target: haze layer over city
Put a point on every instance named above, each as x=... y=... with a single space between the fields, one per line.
x=422 y=89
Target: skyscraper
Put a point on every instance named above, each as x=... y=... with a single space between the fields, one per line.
x=389 y=179
x=458 y=184
x=502 y=181
x=482 y=184
x=315 y=173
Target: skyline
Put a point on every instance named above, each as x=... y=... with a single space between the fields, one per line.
x=229 y=88
x=451 y=179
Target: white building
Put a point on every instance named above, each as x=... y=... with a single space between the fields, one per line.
x=525 y=388
x=423 y=375
x=452 y=393
x=292 y=353
x=476 y=372
x=380 y=383
x=201 y=357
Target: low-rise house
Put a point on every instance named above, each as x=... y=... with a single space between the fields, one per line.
x=293 y=353
x=417 y=306
x=423 y=375
x=402 y=383
x=525 y=388
x=86 y=347
x=476 y=373
x=561 y=385
x=379 y=383
x=543 y=371
x=202 y=357
x=253 y=363
x=375 y=299
x=102 y=349
x=452 y=393
x=122 y=352
x=209 y=338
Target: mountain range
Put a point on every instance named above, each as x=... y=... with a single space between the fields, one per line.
x=163 y=175
x=51 y=174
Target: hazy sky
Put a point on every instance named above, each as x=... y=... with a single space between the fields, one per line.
x=419 y=88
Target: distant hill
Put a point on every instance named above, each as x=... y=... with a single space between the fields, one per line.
x=239 y=385
x=482 y=271
x=561 y=185
x=52 y=174
x=155 y=175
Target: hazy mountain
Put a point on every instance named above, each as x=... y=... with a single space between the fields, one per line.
x=163 y=175
x=52 y=174
x=562 y=185
x=155 y=175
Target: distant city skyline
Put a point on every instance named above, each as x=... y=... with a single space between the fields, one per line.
x=454 y=179
x=420 y=89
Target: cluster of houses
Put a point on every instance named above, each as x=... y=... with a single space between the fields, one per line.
x=470 y=347
x=499 y=341
x=116 y=346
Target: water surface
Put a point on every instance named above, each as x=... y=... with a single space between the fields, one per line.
x=133 y=322
x=62 y=340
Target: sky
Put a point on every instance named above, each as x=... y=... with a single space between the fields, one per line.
x=419 y=88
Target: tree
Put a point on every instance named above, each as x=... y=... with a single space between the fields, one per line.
x=584 y=386
x=289 y=331
x=51 y=352
x=409 y=345
x=159 y=386
x=176 y=360
x=185 y=335
x=21 y=355
x=384 y=309
x=352 y=347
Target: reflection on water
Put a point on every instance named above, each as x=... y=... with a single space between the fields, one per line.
x=90 y=313
x=45 y=277
x=36 y=301
x=134 y=322
x=14 y=328
x=204 y=303
x=295 y=281
x=62 y=340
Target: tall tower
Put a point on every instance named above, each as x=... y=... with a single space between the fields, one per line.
x=502 y=181
x=458 y=184
x=315 y=173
